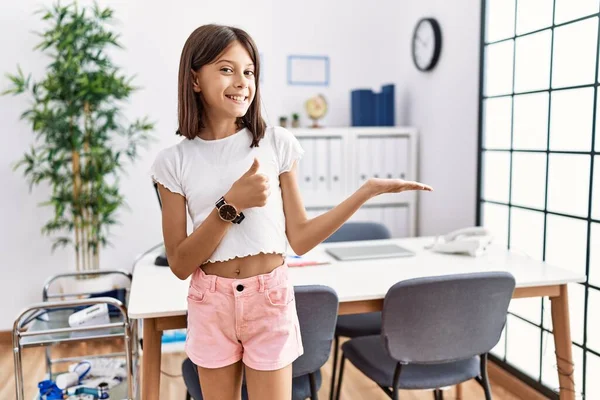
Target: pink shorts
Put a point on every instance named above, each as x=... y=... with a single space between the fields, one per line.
x=252 y=319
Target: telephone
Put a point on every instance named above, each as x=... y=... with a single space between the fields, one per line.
x=472 y=241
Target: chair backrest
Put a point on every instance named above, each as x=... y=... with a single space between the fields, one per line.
x=157 y=194
x=317 y=308
x=351 y=231
x=445 y=318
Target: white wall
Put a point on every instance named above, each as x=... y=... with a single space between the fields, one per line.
x=368 y=45
x=443 y=105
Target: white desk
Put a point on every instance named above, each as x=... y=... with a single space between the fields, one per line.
x=160 y=299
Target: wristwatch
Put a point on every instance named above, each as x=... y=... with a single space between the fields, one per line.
x=228 y=212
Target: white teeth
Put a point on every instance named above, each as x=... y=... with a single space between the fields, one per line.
x=237 y=98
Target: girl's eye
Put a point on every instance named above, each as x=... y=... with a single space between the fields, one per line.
x=250 y=73
x=226 y=69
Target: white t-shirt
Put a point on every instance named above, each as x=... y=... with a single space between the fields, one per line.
x=203 y=170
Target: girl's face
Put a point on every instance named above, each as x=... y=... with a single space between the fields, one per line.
x=227 y=85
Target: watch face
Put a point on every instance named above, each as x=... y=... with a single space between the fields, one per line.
x=227 y=212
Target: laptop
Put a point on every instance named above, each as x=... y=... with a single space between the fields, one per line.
x=366 y=252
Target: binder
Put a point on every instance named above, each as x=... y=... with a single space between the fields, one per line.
x=387 y=97
x=301 y=165
x=336 y=165
x=363 y=107
x=401 y=158
x=362 y=151
x=373 y=109
x=307 y=185
x=378 y=169
x=361 y=215
x=321 y=172
x=375 y=214
x=389 y=158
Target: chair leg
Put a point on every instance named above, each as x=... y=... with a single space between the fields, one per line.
x=314 y=395
x=485 y=383
x=187 y=395
x=339 y=384
x=334 y=367
x=396 y=381
x=438 y=394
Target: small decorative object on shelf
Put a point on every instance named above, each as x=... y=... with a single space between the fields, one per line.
x=283 y=121
x=295 y=120
x=316 y=108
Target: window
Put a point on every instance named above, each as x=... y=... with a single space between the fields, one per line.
x=539 y=189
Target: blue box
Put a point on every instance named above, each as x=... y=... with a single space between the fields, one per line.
x=386 y=106
x=373 y=109
x=363 y=107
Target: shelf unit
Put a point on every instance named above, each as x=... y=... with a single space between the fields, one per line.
x=337 y=161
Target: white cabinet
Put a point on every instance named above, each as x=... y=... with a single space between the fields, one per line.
x=338 y=161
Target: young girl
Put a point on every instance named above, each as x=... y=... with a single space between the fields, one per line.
x=237 y=178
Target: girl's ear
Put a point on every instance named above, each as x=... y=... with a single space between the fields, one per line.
x=195 y=82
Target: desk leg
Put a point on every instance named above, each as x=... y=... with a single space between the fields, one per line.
x=151 y=361
x=562 y=343
x=459 y=391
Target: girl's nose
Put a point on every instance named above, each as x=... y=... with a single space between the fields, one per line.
x=241 y=81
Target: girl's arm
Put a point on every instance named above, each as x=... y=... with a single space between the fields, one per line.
x=304 y=234
x=185 y=253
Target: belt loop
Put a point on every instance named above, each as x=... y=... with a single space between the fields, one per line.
x=213 y=283
x=261 y=281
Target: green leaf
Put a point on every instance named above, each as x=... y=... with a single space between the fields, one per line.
x=75 y=114
x=61 y=242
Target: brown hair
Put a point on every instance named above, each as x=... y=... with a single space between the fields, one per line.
x=203 y=46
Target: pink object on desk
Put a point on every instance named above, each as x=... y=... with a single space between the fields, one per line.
x=305 y=263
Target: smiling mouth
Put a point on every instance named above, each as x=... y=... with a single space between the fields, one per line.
x=237 y=99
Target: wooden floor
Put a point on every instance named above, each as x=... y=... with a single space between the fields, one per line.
x=356 y=386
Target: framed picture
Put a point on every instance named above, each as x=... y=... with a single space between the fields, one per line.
x=308 y=70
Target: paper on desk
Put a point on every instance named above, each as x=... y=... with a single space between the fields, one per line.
x=293 y=260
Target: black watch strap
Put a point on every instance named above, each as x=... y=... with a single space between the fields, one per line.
x=220 y=202
x=238 y=219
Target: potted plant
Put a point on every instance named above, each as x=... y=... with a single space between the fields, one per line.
x=283 y=121
x=295 y=120
x=81 y=139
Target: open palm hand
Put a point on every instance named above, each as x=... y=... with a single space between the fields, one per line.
x=397 y=185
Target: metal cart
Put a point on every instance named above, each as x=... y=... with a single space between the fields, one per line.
x=30 y=330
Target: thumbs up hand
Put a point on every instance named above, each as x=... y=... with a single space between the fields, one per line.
x=250 y=190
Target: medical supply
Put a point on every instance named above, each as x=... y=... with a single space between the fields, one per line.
x=81 y=397
x=49 y=390
x=67 y=380
x=94 y=315
x=106 y=367
x=99 y=392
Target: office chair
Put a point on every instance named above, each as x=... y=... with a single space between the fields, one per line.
x=317 y=308
x=157 y=193
x=436 y=332
x=356 y=325
x=161 y=260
